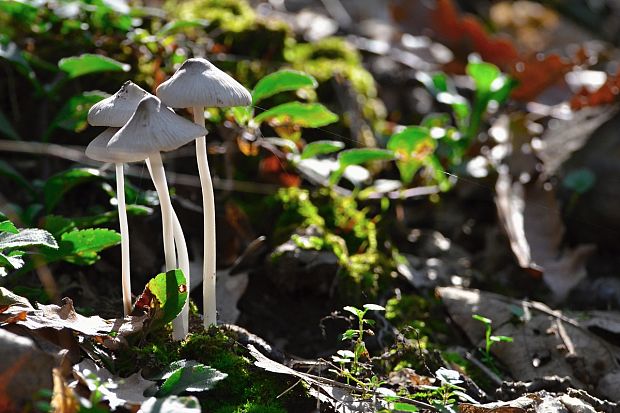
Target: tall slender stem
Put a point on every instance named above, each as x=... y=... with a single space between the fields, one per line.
x=122 y=219
x=161 y=186
x=180 y=325
x=208 y=206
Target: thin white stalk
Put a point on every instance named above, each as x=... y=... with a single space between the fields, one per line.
x=161 y=186
x=122 y=219
x=208 y=206
x=180 y=325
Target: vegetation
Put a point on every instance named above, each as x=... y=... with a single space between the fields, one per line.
x=345 y=219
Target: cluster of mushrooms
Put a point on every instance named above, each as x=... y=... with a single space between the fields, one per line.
x=140 y=127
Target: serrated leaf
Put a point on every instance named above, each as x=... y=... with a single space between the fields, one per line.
x=26 y=238
x=305 y=115
x=164 y=296
x=281 y=81
x=57 y=186
x=190 y=376
x=85 y=64
x=412 y=147
x=374 y=307
x=81 y=247
x=321 y=148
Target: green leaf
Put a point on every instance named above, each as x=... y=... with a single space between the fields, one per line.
x=363 y=155
x=58 y=185
x=580 y=180
x=171 y=404
x=374 y=307
x=355 y=311
x=436 y=120
x=26 y=238
x=190 y=376
x=356 y=157
x=412 y=147
x=81 y=247
x=13 y=261
x=73 y=114
x=350 y=334
x=482 y=319
x=483 y=74
x=242 y=114
x=169 y=291
x=87 y=63
x=504 y=339
x=321 y=148
x=404 y=407
x=281 y=81
x=7 y=129
x=8 y=226
x=305 y=115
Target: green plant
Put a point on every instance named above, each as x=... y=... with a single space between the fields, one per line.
x=13 y=241
x=490 y=339
x=351 y=367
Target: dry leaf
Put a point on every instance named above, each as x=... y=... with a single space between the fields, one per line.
x=546 y=342
x=531 y=217
x=63 y=398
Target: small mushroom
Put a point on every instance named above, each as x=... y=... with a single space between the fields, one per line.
x=98 y=151
x=152 y=129
x=196 y=84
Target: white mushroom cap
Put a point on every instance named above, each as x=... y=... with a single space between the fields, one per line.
x=116 y=110
x=97 y=149
x=153 y=128
x=199 y=83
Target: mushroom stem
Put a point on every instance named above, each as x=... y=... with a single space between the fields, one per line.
x=161 y=186
x=122 y=219
x=180 y=325
x=208 y=205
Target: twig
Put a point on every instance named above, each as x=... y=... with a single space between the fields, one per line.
x=76 y=154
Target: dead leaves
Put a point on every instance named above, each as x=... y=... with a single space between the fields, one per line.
x=546 y=342
x=531 y=217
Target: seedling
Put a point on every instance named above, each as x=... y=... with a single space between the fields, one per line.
x=357 y=335
x=490 y=339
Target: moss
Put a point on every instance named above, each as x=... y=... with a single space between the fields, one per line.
x=247 y=389
x=339 y=225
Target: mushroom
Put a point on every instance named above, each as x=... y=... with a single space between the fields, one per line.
x=114 y=112
x=98 y=151
x=152 y=129
x=197 y=84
